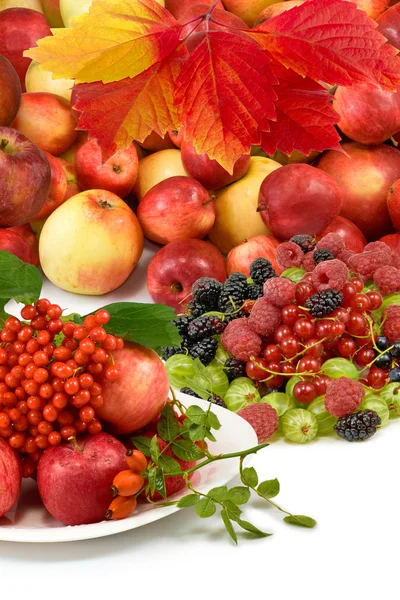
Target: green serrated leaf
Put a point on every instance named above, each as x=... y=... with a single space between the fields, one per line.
x=186 y=450
x=269 y=488
x=228 y=525
x=168 y=464
x=151 y=479
x=210 y=436
x=249 y=477
x=142 y=443
x=189 y=500
x=219 y=493
x=300 y=520
x=213 y=421
x=160 y=482
x=168 y=427
x=232 y=509
x=205 y=507
x=239 y=494
x=197 y=432
x=251 y=528
x=18 y=280
x=200 y=370
x=196 y=415
x=154 y=449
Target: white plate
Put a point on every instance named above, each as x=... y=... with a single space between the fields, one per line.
x=29 y=521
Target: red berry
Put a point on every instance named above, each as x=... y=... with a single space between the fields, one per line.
x=347 y=347
x=358 y=284
x=68 y=329
x=375 y=300
x=290 y=346
x=102 y=317
x=304 y=328
x=90 y=322
x=304 y=392
x=42 y=306
x=272 y=352
x=98 y=334
x=55 y=326
x=360 y=303
x=72 y=386
x=364 y=356
x=28 y=312
x=304 y=289
x=281 y=332
x=13 y=324
x=87 y=346
x=320 y=384
x=112 y=373
x=257 y=372
x=357 y=324
x=50 y=412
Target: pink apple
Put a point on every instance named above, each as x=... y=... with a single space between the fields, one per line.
x=47 y=120
x=74 y=479
x=175 y=209
x=10 y=92
x=24 y=178
x=117 y=174
x=10 y=477
x=389 y=25
x=178 y=7
x=26 y=232
x=139 y=395
x=20 y=29
x=364 y=175
x=297 y=199
x=208 y=172
x=14 y=243
x=261 y=246
x=352 y=236
x=58 y=188
x=393 y=204
x=175 y=268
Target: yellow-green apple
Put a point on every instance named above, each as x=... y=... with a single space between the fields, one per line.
x=51 y=9
x=373 y=8
x=247 y=10
x=178 y=7
x=20 y=28
x=32 y=4
x=389 y=25
x=12 y=242
x=70 y=154
x=10 y=477
x=261 y=246
x=364 y=175
x=117 y=174
x=26 y=232
x=174 y=269
x=353 y=237
x=299 y=199
x=73 y=8
x=10 y=92
x=72 y=180
x=24 y=178
x=58 y=188
x=47 y=120
x=236 y=216
x=157 y=167
x=91 y=243
x=140 y=394
x=368 y=114
x=39 y=80
x=209 y=172
x=177 y=208
x=37 y=227
x=276 y=9
x=155 y=143
x=393 y=204
x=176 y=136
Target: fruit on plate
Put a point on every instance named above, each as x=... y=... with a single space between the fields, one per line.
x=10 y=477
x=393 y=204
x=91 y=243
x=117 y=174
x=178 y=7
x=157 y=167
x=39 y=80
x=175 y=209
x=247 y=10
x=51 y=10
x=367 y=114
x=47 y=120
x=74 y=479
x=10 y=92
x=208 y=172
x=20 y=28
x=138 y=396
x=11 y=241
x=236 y=216
x=155 y=143
x=364 y=174
x=240 y=258
x=27 y=233
x=24 y=178
x=351 y=235
x=58 y=188
x=174 y=269
x=297 y=200
x=389 y=25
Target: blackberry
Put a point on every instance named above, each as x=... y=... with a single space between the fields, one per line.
x=168 y=351
x=324 y=303
x=196 y=310
x=322 y=255
x=384 y=361
x=206 y=292
x=395 y=351
x=382 y=343
x=182 y=323
x=306 y=242
x=235 y=289
x=261 y=269
x=255 y=291
x=234 y=368
x=205 y=327
x=358 y=426
x=272 y=390
x=394 y=375
x=204 y=350
x=189 y=392
x=214 y=399
x=228 y=317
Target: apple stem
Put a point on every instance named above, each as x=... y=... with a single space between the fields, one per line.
x=176 y=287
x=3 y=144
x=117 y=169
x=104 y=204
x=75 y=444
x=211 y=199
x=394 y=141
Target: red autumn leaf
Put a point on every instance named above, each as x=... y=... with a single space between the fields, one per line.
x=330 y=41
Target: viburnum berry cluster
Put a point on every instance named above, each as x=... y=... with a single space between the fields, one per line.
x=50 y=378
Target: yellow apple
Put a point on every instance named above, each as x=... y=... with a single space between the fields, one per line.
x=236 y=216
x=70 y=154
x=32 y=4
x=247 y=10
x=38 y=80
x=157 y=167
x=91 y=243
x=72 y=8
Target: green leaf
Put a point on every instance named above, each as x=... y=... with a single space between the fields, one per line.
x=186 y=450
x=252 y=528
x=232 y=509
x=201 y=371
x=269 y=488
x=210 y=436
x=213 y=421
x=300 y=520
x=154 y=449
x=205 y=507
x=142 y=443
x=228 y=525
x=197 y=432
x=146 y=324
x=168 y=464
x=189 y=500
x=3 y=314
x=219 y=493
x=168 y=427
x=160 y=482
x=151 y=479
x=18 y=280
x=249 y=477
x=196 y=415
x=239 y=495
x=294 y=274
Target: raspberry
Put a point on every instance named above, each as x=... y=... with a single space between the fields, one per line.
x=308 y=262
x=387 y=279
x=324 y=303
x=381 y=247
x=330 y=275
x=321 y=255
x=391 y=326
x=241 y=341
x=345 y=255
x=279 y=291
x=289 y=254
x=366 y=263
x=261 y=269
x=332 y=242
x=306 y=242
x=206 y=292
x=343 y=396
x=263 y=418
x=264 y=317
x=360 y=426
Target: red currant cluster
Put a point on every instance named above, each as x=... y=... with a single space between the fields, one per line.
x=49 y=392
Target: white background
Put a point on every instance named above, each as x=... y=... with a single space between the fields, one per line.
x=352 y=490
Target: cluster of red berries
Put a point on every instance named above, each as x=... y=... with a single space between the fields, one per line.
x=50 y=378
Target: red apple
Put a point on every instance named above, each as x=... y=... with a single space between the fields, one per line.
x=367 y=114
x=296 y=199
x=47 y=120
x=10 y=477
x=20 y=29
x=176 y=136
x=178 y=7
x=72 y=180
x=195 y=35
x=175 y=209
x=24 y=178
x=393 y=241
x=141 y=392
x=364 y=175
x=393 y=204
x=117 y=174
x=26 y=232
x=175 y=268
x=389 y=25
x=58 y=188
x=352 y=236
x=208 y=172
x=261 y=246
x=15 y=243
x=276 y=9
x=10 y=92
x=74 y=479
